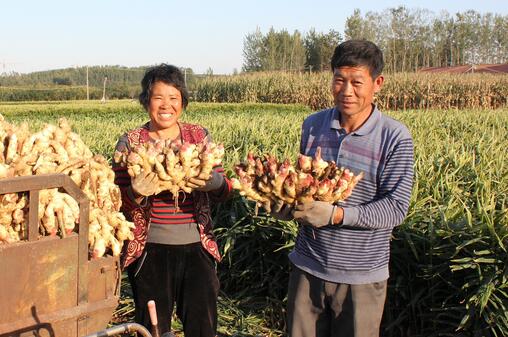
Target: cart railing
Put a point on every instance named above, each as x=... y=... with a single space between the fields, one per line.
x=46 y=281
x=33 y=184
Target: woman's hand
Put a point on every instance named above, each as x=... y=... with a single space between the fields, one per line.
x=211 y=184
x=145 y=184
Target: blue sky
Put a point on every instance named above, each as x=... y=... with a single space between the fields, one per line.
x=42 y=35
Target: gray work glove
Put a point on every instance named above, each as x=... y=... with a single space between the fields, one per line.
x=281 y=211
x=315 y=213
x=211 y=184
x=145 y=184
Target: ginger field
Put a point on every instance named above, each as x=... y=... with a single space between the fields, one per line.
x=449 y=265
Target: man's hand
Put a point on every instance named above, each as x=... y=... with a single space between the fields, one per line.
x=214 y=182
x=281 y=211
x=315 y=213
x=145 y=184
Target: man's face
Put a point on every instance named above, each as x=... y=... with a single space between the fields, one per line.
x=353 y=90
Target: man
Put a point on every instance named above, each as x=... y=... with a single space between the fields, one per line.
x=338 y=281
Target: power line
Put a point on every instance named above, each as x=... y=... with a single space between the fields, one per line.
x=4 y=63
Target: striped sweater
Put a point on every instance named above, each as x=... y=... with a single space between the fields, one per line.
x=164 y=211
x=358 y=251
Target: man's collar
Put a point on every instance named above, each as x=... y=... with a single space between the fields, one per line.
x=335 y=119
x=365 y=129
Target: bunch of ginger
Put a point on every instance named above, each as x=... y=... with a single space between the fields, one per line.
x=13 y=207
x=267 y=181
x=173 y=162
x=56 y=149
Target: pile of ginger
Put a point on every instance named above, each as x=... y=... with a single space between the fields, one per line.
x=57 y=149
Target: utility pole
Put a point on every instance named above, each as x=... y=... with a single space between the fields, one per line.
x=103 y=100
x=87 y=88
x=185 y=76
x=4 y=64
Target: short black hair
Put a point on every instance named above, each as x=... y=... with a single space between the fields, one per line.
x=354 y=53
x=166 y=73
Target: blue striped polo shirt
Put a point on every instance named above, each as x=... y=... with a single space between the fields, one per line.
x=358 y=251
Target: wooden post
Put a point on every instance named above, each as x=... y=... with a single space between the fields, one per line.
x=103 y=100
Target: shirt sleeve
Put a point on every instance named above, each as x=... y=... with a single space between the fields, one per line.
x=394 y=191
x=122 y=178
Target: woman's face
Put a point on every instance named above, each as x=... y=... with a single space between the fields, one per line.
x=165 y=107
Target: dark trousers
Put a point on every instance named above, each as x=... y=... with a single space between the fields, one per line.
x=181 y=274
x=318 y=308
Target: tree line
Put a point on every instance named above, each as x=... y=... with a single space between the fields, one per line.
x=70 y=83
x=280 y=50
x=76 y=76
x=117 y=76
x=410 y=39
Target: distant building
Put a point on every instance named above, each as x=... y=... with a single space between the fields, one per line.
x=468 y=69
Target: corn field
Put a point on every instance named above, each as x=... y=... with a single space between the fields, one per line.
x=401 y=91
x=449 y=263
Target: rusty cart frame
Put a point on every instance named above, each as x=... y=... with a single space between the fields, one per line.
x=48 y=287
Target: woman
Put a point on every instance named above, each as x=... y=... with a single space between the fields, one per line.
x=171 y=259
